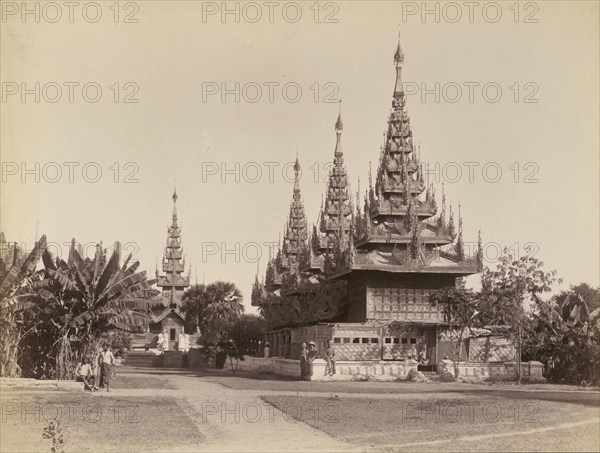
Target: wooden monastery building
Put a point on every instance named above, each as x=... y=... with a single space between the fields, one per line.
x=361 y=277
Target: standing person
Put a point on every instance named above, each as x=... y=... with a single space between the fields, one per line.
x=184 y=346
x=94 y=365
x=160 y=341
x=165 y=340
x=303 y=360
x=267 y=351
x=108 y=360
x=312 y=352
x=184 y=341
x=330 y=358
x=311 y=355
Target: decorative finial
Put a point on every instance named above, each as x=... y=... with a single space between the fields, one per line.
x=297 y=164
x=339 y=126
x=399 y=55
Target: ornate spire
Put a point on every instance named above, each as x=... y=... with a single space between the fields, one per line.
x=451 y=229
x=460 y=246
x=296 y=178
x=399 y=62
x=174 y=221
x=339 y=127
x=173 y=265
x=399 y=179
x=295 y=232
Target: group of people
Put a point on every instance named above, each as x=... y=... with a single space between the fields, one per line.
x=183 y=341
x=308 y=355
x=95 y=371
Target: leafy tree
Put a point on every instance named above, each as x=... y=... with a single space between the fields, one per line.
x=590 y=295
x=506 y=290
x=247 y=332
x=460 y=309
x=217 y=307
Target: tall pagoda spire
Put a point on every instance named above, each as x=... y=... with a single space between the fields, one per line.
x=173 y=264
x=296 y=232
x=399 y=181
x=336 y=211
x=400 y=200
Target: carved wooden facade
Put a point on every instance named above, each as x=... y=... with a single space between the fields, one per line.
x=381 y=260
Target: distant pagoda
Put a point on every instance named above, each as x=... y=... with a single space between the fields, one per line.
x=172 y=282
x=173 y=263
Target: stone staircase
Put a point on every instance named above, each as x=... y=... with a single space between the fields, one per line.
x=139 y=359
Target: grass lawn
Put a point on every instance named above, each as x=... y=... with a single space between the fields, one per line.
x=254 y=381
x=426 y=424
x=95 y=423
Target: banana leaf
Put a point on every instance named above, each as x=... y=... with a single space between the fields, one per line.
x=109 y=270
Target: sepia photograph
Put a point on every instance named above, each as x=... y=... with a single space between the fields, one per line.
x=297 y=226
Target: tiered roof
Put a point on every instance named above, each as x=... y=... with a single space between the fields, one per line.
x=173 y=263
x=334 y=234
x=397 y=230
x=284 y=268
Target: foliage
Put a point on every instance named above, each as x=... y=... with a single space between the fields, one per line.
x=590 y=295
x=92 y=297
x=54 y=431
x=194 y=302
x=215 y=308
x=247 y=333
x=460 y=308
x=20 y=287
x=52 y=316
x=565 y=335
x=506 y=290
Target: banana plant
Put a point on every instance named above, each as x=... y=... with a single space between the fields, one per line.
x=21 y=288
x=93 y=296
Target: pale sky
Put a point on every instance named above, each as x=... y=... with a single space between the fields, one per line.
x=178 y=131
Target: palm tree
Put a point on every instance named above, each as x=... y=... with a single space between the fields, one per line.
x=194 y=302
x=223 y=309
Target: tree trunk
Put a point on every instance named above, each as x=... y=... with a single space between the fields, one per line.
x=518 y=345
x=518 y=353
x=457 y=354
x=64 y=363
x=9 y=345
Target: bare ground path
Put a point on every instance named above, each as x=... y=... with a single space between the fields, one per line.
x=239 y=420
